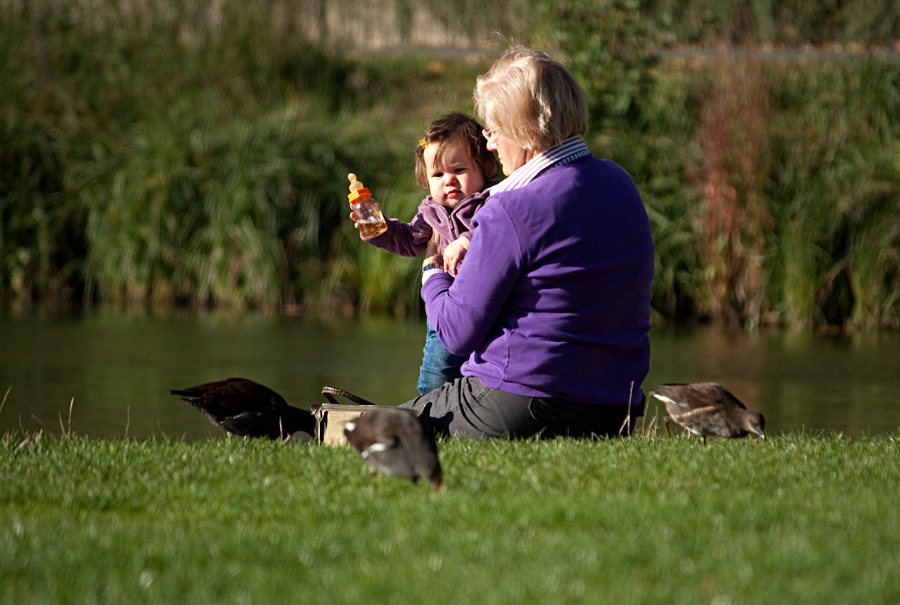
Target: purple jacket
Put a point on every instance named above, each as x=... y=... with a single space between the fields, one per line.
x=410 y=239
x=554 y=296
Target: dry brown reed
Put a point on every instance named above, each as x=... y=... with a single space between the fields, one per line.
x=732 y=220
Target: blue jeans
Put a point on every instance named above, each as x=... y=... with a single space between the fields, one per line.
x=438 y=364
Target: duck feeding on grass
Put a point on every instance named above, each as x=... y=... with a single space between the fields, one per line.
x=247 y=409
x=397 y=442
x=707 y=408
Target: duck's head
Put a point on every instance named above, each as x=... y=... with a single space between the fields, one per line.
x=755 y=423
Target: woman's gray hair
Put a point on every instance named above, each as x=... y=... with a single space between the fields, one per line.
x=531 y=99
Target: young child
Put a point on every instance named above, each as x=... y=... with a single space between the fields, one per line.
x=454 y=164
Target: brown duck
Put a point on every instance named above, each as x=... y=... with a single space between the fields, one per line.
x=398 y=442
x=247 y=409
x=706 y=408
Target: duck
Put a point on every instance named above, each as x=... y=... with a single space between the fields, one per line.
x=247 y=409
x=397 y=441
x=708 y=409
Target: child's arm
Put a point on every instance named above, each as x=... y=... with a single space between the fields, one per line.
x=454 y=254
x=403 y=239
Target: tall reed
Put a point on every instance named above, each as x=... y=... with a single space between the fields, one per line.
x=835 y=188
x=732 y=220
x=768 y=183
x=157 y=154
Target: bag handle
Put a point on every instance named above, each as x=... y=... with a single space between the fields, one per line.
x=329 y=391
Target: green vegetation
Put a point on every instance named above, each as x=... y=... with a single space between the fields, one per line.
x=800 y=518
x=153 y=156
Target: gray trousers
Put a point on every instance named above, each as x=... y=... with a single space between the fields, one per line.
x=468 y=408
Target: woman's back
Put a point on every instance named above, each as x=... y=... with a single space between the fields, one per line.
x=571 y=256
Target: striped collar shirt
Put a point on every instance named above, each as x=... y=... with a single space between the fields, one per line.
x=571 y=149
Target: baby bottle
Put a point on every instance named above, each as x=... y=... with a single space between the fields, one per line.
x=366 y=211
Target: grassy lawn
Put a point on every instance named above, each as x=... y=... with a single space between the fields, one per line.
x=800 y=518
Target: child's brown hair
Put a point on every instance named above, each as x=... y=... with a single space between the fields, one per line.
x=456 y=127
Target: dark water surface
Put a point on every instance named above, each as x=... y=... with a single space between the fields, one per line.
x=119 y=369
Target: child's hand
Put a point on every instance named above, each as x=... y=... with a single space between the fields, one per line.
x=454 y=254
x=353 y=215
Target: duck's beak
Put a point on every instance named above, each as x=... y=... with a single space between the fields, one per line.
x=438 y=478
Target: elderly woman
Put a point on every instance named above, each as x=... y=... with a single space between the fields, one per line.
x=552 y=301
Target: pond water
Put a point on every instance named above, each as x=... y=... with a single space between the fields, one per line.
x=116 y=370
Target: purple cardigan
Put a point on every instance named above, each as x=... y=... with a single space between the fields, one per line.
x=410 y=239
x=554 y=296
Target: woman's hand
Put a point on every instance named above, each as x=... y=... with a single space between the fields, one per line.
x=431 y=252
x=437 y=259
x=454 y=254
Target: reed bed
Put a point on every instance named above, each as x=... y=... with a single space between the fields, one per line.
x=154 y=156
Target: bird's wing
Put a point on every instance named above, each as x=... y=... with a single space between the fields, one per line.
x=690 y=413
x=390 y=458
x=233 y=396
x=732 y=399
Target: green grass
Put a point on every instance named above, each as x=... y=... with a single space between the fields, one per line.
x=800 y=518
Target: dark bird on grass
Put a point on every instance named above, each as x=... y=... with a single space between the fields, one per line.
x=398 y=442
x=706 y=408
x=247 y=409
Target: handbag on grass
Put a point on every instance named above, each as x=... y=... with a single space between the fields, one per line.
x=331 y=417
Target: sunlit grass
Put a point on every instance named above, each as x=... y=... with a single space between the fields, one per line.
x=800 y=518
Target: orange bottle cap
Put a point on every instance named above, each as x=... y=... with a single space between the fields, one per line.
x=359 y=193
